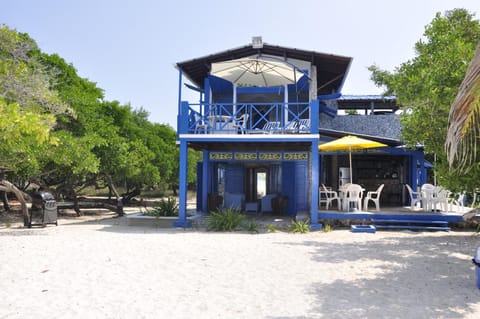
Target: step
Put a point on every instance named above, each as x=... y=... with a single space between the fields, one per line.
x=411 y=221
x=413 y=224
x=412 y=227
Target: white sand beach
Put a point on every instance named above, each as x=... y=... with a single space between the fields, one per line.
x=107 y=269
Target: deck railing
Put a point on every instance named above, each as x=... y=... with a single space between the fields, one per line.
x=248 y=118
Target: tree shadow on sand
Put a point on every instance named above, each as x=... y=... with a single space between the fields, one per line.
x=428 y=276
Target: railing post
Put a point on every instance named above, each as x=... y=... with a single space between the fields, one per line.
x=182 y=192
x=314 y=116
x=182 y=118
x=314 y=225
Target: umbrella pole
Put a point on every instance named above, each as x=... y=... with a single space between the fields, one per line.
x=350 y=158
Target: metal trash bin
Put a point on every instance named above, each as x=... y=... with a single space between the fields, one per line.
x=47 y=205
x=476 y=261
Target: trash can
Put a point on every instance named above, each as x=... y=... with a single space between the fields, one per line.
x=476 y=261
x=47 y=205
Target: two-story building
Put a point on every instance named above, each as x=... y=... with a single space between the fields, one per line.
x=262 y=112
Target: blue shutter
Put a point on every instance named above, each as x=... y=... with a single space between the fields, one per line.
x=301 y=185
x=288 y=186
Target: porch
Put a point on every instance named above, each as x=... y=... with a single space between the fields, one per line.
x=395 y=218
x=403 y=218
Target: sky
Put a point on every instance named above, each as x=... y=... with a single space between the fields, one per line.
x=129 y=48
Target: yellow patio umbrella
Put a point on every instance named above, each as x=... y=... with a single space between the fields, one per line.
x=349 y=143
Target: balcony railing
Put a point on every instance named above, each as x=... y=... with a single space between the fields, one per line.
x=248 y=118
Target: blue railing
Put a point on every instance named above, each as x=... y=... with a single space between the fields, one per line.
x=248 y=118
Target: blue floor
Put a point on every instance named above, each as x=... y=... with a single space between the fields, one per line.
x=391 y=213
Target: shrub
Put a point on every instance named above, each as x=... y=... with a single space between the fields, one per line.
x=226 y=220
x=250 y=226
x=164 y=208
x=271 y=228
x=301 y=226
x=327 y=228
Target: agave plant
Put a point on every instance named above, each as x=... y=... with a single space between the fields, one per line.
x=300 y=226
x=168 y=207
x=225 y=220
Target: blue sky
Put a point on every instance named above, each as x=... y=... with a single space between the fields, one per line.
x=129 y=48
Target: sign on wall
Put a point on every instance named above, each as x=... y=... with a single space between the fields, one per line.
x=259 y=156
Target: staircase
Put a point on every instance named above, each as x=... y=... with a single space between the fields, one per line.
x=411 y=224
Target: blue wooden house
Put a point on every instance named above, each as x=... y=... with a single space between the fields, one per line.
x=260 y=139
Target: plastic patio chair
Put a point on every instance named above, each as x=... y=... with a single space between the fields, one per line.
x=374 y=197
x=415 y=197
x=328 y=196
x=354 y=194
x=241 y=123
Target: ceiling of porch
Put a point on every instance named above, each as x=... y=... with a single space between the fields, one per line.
x=331 y=69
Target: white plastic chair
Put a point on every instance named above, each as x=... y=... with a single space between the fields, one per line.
x=304 y=125
x=328 y=196
x=428 y=194
x=440 y=197
x=415 y=197
x=200 y=125
x=354 y=196
x=374 y=197
x=241 y=123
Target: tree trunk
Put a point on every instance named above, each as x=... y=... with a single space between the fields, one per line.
x=120 y=211
x=5 y=200
x=6 y=186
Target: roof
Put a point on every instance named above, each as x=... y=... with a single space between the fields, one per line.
x=331 y=69
x=355 y=102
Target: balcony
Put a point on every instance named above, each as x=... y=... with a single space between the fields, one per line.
x=248 y=118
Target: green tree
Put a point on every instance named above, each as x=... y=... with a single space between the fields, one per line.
x=427 y=84
x=23 y=78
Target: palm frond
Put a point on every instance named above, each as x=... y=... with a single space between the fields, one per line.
x=464 y=119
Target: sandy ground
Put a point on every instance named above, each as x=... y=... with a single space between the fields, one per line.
x=103 y=268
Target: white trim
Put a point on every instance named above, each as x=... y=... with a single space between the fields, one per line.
x=247 y=137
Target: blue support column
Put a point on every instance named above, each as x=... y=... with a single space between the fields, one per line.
x=314 y=116
x=423 y=170
x=205 y=174
x=182 y=206
x=314 y=225
x=180 y=73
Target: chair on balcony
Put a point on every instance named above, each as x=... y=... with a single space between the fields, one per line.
x=374 y=197
x=241 y=123
x=200 y=124
x=291 y=127
x=269 y=127
x=304 y=125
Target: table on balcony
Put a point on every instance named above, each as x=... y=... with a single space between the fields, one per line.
x=221 y=124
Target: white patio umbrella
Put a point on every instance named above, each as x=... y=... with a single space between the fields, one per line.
x=256 y=72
